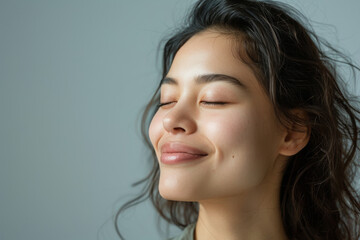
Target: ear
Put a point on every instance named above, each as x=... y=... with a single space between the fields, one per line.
x=296 y=136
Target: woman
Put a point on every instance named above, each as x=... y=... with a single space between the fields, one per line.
x=251 y=134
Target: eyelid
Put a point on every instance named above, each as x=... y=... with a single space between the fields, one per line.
x=161 y=104
x=203 y=102
x=213 y=102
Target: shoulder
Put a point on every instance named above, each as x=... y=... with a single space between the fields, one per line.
x=187 y=233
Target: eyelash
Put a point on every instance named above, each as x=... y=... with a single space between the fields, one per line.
x=163 y=104
x=213 y=103
x=204 y=102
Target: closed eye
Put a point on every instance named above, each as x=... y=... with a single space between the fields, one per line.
x=202 y=102
x=164 y=104
x=213 y=103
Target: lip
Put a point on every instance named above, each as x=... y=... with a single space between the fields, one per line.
x=175 y=153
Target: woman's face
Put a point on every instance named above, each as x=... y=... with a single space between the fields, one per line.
x=216 y=134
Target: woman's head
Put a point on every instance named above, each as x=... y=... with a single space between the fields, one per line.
x=287 y=121
x=212 y=101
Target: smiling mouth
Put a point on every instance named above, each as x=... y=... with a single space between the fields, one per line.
x=174 y=153
x=179 y=157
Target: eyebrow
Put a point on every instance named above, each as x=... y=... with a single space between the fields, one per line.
x=208 y=78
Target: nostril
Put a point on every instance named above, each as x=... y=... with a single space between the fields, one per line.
x=179 y=122
x=180 y=129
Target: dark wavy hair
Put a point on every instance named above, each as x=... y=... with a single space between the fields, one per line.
x=298 y=70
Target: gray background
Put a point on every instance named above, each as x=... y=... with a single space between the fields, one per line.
x=74 y=77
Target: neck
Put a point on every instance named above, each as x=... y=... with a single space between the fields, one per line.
x=251 y=216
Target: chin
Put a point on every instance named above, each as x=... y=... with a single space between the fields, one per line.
x=172 y=194
x=176 y=193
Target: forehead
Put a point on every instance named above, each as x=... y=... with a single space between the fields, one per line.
x=211 y=52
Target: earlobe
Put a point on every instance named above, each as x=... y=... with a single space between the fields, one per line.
x=295 y=138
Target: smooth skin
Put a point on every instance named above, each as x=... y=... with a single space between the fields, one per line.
x=237 y=184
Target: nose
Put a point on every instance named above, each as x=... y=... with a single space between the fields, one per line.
x=180 y=120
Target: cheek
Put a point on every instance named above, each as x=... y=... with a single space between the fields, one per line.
x=246 y=132
x=242 y=157
x=226 y=130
